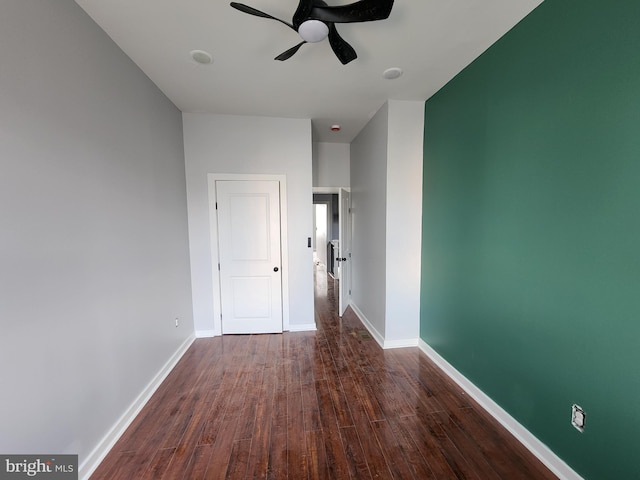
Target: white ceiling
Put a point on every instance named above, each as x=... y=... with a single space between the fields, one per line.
x=431 y=40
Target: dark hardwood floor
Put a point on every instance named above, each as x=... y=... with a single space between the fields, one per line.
x=329 y=404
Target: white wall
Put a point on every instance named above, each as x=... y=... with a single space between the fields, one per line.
x=227 y=144
x=404 y=220
x=94 y=261
x=368 y=203
x=331 y=164
x=386 y=196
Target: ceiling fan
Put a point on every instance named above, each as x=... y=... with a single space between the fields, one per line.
x=314 y=21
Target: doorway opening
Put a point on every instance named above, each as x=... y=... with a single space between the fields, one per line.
x=332 y=241
x=322 y=235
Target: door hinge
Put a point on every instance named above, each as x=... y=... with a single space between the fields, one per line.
x=216 y=205
x=349 y=292
x=218 y=266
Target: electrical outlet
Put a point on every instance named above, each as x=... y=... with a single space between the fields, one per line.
x=578 y=417
x=177 y=322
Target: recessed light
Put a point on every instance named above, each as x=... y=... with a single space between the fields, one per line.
x=202 y=57
x=392 y=73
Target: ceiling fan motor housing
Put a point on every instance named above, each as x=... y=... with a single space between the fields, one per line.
x=314 y=21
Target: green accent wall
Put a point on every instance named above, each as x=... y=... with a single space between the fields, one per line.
x=531 y=228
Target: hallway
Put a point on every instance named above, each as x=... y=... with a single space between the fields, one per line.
x=328 y=405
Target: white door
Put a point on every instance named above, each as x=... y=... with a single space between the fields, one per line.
x=249 y=254
x=344 y=254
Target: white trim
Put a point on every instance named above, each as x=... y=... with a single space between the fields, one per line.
x=213 y=230
x=329 y=190
x=303 y=327
x=385 y=344
x=535 y=446
x=206 y=333
x=113 y=435
x=368 y=325
x=402 y=343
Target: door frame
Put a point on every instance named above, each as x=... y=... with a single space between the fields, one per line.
x=213 y=242
x=346 y=245
x=336 y=190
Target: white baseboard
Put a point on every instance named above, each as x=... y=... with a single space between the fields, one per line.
x=535 y=446
x=402 y=343
x=109 y=440
x=206 y=333
x=378 y=337
x=385 y=344
x=304 y=327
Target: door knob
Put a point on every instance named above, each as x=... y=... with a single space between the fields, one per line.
x=275 y=269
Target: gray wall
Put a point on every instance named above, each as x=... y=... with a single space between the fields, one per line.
x=217 y=144
x=404 y=221
x=386 y=194
x=368 y=203
x=331 y=164
x=94 y=262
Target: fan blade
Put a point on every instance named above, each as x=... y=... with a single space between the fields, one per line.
x=252 y=11
x=302 y=12
x=289 y=53
x=362 y=11
x=341 y=48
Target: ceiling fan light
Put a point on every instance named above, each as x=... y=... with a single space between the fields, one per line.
x=313 y=31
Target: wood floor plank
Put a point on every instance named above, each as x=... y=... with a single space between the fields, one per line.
x=279 y=414
x=316 y=456
x=358 y=466
x=414 y=458
x=406 y=368
x=239 y=460
x=340 y=403
x=392 y=450
x=259 y=455
x=199 y=464
x=456 y=461
x=472 y=452
x=157 y=466
x=507 y=456
x=123 y=465
x=222 y=450
x=329 y=404
x=215 y=411
x=429 y=448
x=334 y=448
x=371 y=450
x=296 y=439
x=278 y=463
x=310 y=409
